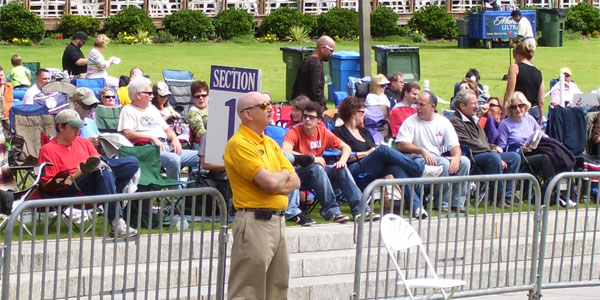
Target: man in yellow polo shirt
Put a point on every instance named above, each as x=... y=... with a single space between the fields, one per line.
x=261 y=177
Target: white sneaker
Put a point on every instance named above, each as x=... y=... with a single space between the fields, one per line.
x=432 y=171
x=121 y=230
x=567 y=203
x=420 y=213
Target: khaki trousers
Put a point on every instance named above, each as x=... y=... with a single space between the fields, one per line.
x=259 y=259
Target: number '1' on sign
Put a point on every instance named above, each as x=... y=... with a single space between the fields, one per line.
x=227 y=85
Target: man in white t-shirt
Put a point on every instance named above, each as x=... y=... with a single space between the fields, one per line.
x=142 y=120
x=524 y=30
x=427 y=135
x=42 y=77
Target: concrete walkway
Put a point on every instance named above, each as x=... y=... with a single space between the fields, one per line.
x=578 y=293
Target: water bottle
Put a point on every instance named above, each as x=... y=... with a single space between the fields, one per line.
x=180 y=224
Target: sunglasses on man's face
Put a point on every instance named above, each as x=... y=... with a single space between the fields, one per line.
x=263 y=106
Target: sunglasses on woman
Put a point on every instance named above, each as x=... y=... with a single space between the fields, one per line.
x=519 y=106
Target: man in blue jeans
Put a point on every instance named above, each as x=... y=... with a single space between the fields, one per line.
x=427 y=136
x=490 y=159
x=78 y=168
x=142 y=120
x=326 y=181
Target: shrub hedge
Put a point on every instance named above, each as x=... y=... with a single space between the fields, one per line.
x=69 y=24
x=339 y=23
x=384 y=22
x=583 y=18
x=233 y=22
x=18 y=22
x=130 y=19
x=280 y=21
x=434 y=22
x=189 y=25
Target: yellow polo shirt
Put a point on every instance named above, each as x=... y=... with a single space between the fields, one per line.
x=247 y=153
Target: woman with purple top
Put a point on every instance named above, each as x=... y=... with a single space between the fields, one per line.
x=515 y=130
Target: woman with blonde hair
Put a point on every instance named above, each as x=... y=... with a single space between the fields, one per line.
x=524 y=77
x=515 y=131
x=376 y=96
x=97 y=65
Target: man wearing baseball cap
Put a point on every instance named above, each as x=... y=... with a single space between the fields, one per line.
x=73 y=60
x=83 y=102
x=78 y=168
x=571 y=88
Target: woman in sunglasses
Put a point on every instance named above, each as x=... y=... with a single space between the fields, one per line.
x=198 y=114
x=370 y=161
x=108 y=97
x=515 y=133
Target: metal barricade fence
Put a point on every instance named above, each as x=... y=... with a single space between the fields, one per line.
x=493 y=246
x=65 y=260
x=570 y=236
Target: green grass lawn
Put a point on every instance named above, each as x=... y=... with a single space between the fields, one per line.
x=442 y=63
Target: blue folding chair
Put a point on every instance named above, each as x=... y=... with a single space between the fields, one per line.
x=180 y=83
x=94 y=84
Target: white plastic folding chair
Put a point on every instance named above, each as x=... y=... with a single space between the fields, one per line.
x=398 y=235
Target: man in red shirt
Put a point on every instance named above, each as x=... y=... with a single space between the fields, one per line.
x=78 y=168
x=405 y=108
x=324 y=180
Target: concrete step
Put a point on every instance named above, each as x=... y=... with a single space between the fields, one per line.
x=300 y=240
x=321 y=253
x=449 y=258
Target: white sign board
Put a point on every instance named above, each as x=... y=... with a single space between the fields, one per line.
x=586 y=100
x=227 y=85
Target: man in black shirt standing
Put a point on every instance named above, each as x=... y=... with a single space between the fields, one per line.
x=310 y=80
x=73 y=60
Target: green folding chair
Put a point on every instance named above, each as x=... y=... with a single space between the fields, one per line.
x=107 y=118
x=33 y=67
x=151 y=179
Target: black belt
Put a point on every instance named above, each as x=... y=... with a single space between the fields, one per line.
x=279 y=213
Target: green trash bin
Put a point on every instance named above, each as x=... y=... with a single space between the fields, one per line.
x=463 y=26
x=398 y=58
x=292 y=56
x=552 y=24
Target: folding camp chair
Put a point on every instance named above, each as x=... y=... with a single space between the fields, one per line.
x=107 y=118
x=94 y=84
x=33 y=67
x=23 y=195
x=180 y=83
x=27 y=122
x=397 y=235
x=151 y=179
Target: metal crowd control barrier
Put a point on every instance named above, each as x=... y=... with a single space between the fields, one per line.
x=493 y=246
x=63 y=261
x=570 y=237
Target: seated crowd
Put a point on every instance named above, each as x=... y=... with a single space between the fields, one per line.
x=478 y=138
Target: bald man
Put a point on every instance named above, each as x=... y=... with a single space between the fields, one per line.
x=261 y=177
x=310 y=80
